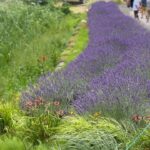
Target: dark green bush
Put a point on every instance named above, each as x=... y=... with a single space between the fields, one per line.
x=65 y=8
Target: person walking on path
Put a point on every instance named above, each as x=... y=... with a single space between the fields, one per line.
x=136 y=6
x=129 y=3
x=132 y=3
x=148 y=11
x=144 y=3
x=143 y=6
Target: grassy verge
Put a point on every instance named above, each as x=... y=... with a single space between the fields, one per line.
x=32 y=39
x=76 y=44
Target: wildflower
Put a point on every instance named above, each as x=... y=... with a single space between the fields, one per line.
x=29 y=104
x=17 y=96
x=47 y=111
x=37 y=101
x=137 y=118
x=48 y=103
x=56 y=103
x=60 y=113
x=72 y=113
x=42 y=59
x=41 y=101
x=97 y=114
x=147 y=119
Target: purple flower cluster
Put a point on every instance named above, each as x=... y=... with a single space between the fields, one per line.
x=125 y=84
x=112 y=71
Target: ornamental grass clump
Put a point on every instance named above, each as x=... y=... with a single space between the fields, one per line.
x=87 y=140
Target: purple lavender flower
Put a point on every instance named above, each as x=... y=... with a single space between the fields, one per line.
x=113 y=72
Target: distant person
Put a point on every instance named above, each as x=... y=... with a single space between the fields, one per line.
x=148 y=11
x=143 y=6
x=136 y=7
x=129 y=3
x=144 y=3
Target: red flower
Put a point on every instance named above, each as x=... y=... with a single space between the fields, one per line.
x=137 y=118
x=38 y=101
x=147 y=117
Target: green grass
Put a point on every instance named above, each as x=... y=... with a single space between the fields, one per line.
x=48 y=131
x=32 y=39
x=79 y=42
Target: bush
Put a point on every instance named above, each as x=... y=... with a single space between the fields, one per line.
x=6 y=112
x=36 y=129
x=65 y=8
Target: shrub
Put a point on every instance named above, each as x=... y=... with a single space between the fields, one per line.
x=7 y=110
x=36 y=129
x=65 y=8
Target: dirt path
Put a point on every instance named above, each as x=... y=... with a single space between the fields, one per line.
x=85 y=7
x=82 y=8
x=129 y=12
x=79 y=9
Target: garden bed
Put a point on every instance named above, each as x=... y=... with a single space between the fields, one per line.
x=99 y=101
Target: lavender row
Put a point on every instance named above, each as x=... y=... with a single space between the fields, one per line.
x=125 y=87
x=113 y=69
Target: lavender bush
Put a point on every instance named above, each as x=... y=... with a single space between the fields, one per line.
x=111 y=75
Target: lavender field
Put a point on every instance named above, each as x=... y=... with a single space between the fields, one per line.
x=101 y=100
x=111 y=75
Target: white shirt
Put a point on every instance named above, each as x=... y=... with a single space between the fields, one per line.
x=136 y=4
x=148 y=3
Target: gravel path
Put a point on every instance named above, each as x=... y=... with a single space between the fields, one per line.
x=129 y=12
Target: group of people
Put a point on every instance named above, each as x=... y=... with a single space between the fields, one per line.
x=142 y=6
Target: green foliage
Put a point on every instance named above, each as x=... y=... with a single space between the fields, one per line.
x=12 y=144
x=79 y=41
x=87 y=140
x=74 y=124
x=65 y=8
x=141 y=139
x=41 y=147
x=70 y=132
x=77 y=125
x=36 y=129
x=119 y=1
x=30 y=32
x=112 y=126
x=6 y=112
x=144 y=141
